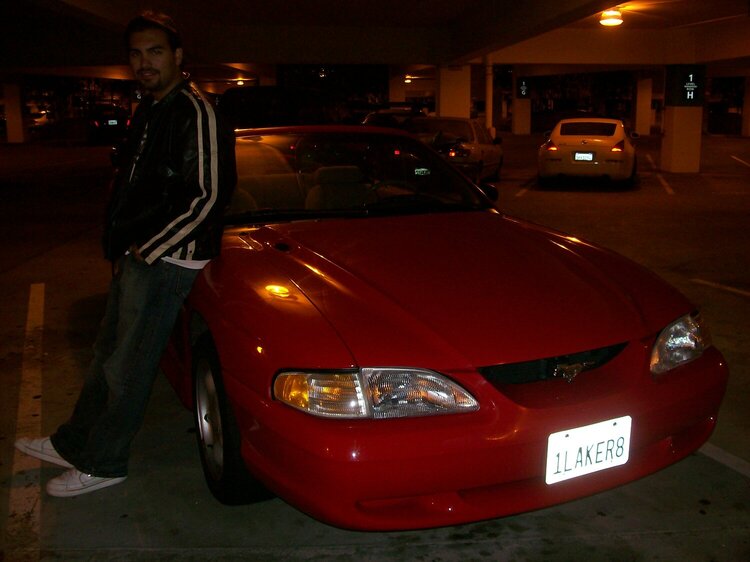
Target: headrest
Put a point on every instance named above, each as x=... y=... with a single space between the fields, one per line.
x=338 y=174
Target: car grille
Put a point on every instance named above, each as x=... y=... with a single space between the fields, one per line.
x=551 y=367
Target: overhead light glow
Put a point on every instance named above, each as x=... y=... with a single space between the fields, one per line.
x=611 y=18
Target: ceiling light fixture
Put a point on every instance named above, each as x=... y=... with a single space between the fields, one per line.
x=611 y=18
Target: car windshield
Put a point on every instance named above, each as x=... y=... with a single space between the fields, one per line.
x=588 y=128
x=448 y=127
x=295 y=176
x=107 y=110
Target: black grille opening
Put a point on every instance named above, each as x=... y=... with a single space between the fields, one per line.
x=550 y=367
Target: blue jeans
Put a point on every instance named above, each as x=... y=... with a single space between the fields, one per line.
x=143 y=304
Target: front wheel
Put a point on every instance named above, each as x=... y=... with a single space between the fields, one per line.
x=495 y=175
x=217 y=433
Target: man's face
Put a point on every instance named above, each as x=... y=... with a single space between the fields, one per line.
x=155 y=65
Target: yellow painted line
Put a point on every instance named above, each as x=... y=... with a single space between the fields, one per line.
x=721 y=287
x=22 y=529
x=740 y=160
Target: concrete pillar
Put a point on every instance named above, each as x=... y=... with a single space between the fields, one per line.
x=521 y=121
x=746 y=109
x=489 y=100
x=643 y=117
x=454 y=91
x=396 y=88
x=16 y=131
x=521 y=118
x=681 y=145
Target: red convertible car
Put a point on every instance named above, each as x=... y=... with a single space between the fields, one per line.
x=383 y=349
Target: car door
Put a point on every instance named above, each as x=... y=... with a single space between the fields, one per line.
x=489 y=151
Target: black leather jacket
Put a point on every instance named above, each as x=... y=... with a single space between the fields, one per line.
x=176 y=178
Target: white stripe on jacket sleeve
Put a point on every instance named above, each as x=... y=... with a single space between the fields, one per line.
x=203 y=203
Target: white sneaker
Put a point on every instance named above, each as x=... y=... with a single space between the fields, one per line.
x=73 y=482
x=41 y=448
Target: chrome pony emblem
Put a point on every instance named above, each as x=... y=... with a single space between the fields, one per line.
x=571 y=371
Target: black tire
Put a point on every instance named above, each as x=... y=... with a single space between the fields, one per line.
x=630 y=182
x=217 y=434
x=633 y=179
x=477 y=177
x=495 y=176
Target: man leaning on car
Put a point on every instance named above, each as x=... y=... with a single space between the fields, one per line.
x=163 y=226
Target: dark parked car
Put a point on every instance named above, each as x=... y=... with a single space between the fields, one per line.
x=395 y=117
x=106 y=123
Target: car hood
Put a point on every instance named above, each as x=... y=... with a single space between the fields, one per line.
x=463 y=290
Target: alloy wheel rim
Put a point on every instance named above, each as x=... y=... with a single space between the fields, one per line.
x=209 y=422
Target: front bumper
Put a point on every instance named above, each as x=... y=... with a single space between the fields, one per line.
x=447 y=470
x=616 y=167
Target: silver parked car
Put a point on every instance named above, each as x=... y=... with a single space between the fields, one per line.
x=465 y=143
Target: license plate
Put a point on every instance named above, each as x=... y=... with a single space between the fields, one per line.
x=112 y=122
x=583 y=156
x=583 y=450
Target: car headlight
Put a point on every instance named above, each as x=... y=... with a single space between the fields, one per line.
x=384 y=392
x=682 y=341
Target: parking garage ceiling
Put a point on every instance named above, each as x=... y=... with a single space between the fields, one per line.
x=64 y=34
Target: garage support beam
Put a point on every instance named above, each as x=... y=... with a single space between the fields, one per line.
x=396 y=88
x=521 y=108
x=16 y=131
x=681 y=145
x=489 y=101
x=643 y=112
x=454 y=91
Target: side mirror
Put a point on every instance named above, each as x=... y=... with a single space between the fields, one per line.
x=490 y=191
x=634 y=135
x=115 y=156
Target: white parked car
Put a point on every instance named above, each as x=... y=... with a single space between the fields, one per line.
x=592 y=147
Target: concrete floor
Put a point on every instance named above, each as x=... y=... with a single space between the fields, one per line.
x=691 y=229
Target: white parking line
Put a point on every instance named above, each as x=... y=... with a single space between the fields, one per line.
x=740 y=160
x=662 y=180
x=665 y=184
x=522 y=192
x=721 y=287
x=22 y=530
x=727 y=459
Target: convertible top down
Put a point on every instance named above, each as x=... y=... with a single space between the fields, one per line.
x=382 y=348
